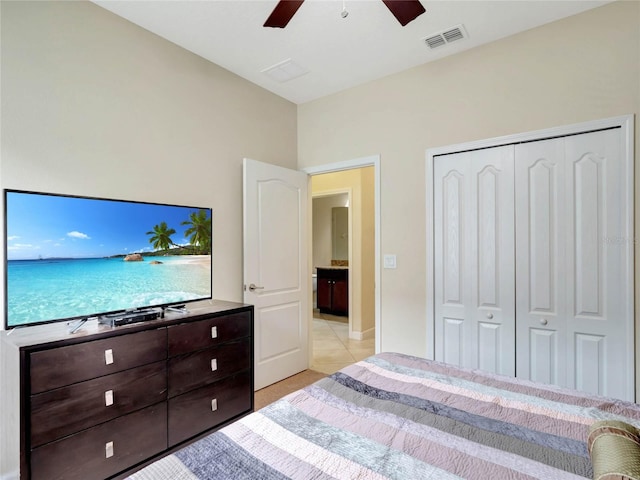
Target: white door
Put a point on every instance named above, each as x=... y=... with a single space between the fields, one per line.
x=474 y=259
x=541 y=277
x=276 y=268
x=575 y=327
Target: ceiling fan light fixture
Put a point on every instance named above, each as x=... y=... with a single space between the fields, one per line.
x=405 y=11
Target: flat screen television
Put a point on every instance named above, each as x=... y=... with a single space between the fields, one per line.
x=71 y=257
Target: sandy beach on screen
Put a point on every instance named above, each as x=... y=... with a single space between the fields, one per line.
x=203 y=260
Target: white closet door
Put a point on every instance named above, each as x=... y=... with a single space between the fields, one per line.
x=474 y=267
x=541 y=277
x=573 y=321
x=452 y=273
x=600 y=323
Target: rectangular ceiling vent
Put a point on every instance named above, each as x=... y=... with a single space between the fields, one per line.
x=285 y=71
x=445 y=37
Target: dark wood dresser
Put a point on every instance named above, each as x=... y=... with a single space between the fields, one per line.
x=101 y=401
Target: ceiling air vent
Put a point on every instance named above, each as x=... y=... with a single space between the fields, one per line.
x=285 y=71
x=446 y=36
x=435 y=41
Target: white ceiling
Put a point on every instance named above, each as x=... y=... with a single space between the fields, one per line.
x=338 y=53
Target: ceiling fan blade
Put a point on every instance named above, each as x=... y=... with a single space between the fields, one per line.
x=405 y=10
x=283 y=13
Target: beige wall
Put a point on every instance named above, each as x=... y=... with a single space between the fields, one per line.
x=361 y=267
x=581 y=68
x=94 y=105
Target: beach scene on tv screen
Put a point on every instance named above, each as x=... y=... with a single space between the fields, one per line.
x=71 y=257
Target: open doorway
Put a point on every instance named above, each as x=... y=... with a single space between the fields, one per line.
x=343 y=255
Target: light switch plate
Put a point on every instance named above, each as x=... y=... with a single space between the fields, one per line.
x=390 y=261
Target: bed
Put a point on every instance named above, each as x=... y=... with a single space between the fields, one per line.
x=398 y=416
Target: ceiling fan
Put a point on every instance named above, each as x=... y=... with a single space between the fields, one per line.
x=404 y=10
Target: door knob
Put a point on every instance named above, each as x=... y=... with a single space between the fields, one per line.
x=543 y=321
x=253 y=287
x=489 y=316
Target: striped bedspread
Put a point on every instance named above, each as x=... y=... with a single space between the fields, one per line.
x=397 y=416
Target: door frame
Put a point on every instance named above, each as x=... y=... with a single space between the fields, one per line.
x=369 y=161
x=625 y=122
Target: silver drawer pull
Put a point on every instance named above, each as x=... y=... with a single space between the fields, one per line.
x=108 y=398
x=214 y=364
x=108 y=450
x=214 y=404
x=108 y=357
x=214 y=332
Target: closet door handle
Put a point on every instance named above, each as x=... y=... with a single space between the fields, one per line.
x=543 y=321
x=489 y=315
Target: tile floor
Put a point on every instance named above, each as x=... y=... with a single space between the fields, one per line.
x=332 y=347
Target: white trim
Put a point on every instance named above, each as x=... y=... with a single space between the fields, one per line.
x=561 y=131
x=625 y=122
x=628 y=128
x=365 y=335
x=370 y=161
x=430 y=247
x=373 y=160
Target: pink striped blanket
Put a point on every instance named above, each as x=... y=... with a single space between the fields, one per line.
x=397 y=416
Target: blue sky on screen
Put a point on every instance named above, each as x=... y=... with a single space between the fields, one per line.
x=45 y=226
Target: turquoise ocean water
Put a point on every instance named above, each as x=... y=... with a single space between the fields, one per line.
x=50 y=289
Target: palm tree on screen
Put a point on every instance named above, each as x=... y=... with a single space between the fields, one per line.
x=199 y=231
x=161 y=236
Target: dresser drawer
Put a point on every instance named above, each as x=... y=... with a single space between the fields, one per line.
x=207 y=407
x=63 y=366
x=67 y=410
x=189 y=337
x=87 y=455
x=203 y=367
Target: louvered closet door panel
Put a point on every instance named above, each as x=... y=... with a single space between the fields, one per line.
x=474 y=259
x=599 y=323
x=540 y=276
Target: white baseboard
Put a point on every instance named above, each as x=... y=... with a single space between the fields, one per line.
x=365 y=335
x=15 y=475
